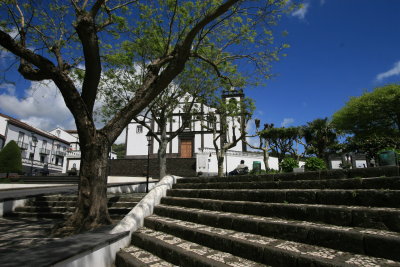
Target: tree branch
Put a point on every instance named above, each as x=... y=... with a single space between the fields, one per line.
x=87 y=33
x=154 y=82
x=213 y=65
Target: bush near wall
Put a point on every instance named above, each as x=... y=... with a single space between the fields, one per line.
x=10 y=159
x=288 y=164
x=314 y=164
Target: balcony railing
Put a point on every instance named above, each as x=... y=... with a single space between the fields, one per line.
x=59 y=153
x=44 y=151
x=40 y=165
x=22 y=145
x=74 y=154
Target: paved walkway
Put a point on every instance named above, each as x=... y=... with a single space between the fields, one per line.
x=17 y=234
x=21 y=193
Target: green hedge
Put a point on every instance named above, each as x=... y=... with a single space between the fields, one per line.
x=314 y=164
x=10 y=158
x=288 y=164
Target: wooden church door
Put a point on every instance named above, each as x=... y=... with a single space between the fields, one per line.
x=186 y=148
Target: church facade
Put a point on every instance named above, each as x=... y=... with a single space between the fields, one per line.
x=195 y=138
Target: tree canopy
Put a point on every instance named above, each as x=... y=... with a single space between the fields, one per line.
x=372 y=144
x=282 y=140
x=376 y=112
x=57 y=40
x=321 y=138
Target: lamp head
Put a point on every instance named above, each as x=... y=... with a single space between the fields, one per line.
x=34 y=140
x=148 y=136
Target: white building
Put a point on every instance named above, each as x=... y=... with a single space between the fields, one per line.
x=73 y=155
x=188 y=142
x=196 y=141
x=38 y=147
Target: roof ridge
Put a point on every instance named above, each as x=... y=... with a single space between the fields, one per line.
x=32 y=128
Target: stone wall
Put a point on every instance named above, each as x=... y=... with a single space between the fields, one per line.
x=138 y=167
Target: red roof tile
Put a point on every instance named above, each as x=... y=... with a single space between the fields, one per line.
x=32 y=129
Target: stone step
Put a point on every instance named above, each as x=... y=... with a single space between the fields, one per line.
x=372 y=242
x=52 y=215
x=43 y=209
x=255 y=249
x=111 y=198
x=184 y=253
x=365 y=183
x=126 y=199
x=119 y=204
x=353 y=216
x=136 y=257
x=41 y=203
x=358 y=197
x=385 y=171
x=46 y=198
x=112 y=210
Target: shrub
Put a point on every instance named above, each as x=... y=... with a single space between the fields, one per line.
x=345 y=165
x=288 y=164
x=10 y=158
x=389 y=149
x=314 y=164
x=255 y=172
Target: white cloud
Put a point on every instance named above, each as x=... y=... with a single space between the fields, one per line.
x=287 y=122
x=42 y=107
x=259 y=112
x=392 y=72
x=302 y=11
x=8 y=87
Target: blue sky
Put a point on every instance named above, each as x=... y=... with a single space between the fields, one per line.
x=339 y=48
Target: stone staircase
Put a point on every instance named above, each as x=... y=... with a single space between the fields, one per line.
x=263 y=220
x=61 y=206
x=50 y=179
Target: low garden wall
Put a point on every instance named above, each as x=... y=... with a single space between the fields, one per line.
x=138 y=167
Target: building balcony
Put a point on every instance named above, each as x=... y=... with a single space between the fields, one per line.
x=36 y=164
x=74 y=154
x=44 y=151
x=22 y=145
x=59 y=153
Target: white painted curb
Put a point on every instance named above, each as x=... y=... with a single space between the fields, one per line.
x=134 y=219
x=105 y=256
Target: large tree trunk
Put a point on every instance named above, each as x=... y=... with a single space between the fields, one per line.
x=162 y=149
x=221 y=159
x=266 y=158
x=162 y=158
x=92 y=210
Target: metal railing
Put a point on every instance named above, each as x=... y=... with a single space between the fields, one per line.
x=59 y=153
x=74 y=154
x=39 y=164
x=231 y=152
x=44 y=151
x=22 y=145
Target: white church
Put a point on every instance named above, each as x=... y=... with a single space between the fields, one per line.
x=195 y=141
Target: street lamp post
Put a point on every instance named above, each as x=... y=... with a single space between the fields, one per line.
x=226 y=159
x=34 y=144
x=148 y=136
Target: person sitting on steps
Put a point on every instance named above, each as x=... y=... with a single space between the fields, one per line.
x=240 y=169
